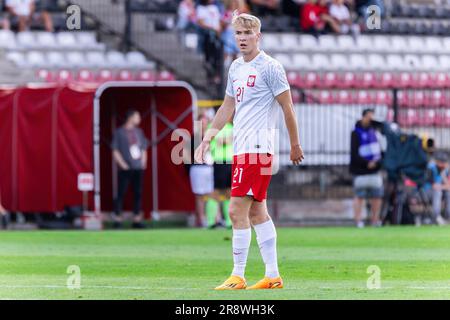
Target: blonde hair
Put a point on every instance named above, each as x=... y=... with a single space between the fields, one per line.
x=246 y=20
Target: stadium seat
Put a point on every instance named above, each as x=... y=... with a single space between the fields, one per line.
x=311 y=80
x=95 y=59
x=399 y=44
x=433 y=45
x=424 y=80
x=76 y=59
x=286 y=61
x=46 y=40
x=308 y=42
x=294 y=78
x=300 y=61
x=325 y=97
x=338 y=62
x=403 y=98
x=364 y=43
x=441 y=79
x=36 y=59
x=348 y=80
x=320 y=61
x=45 y=75
x=146 y=75
x=137 y=59
x=358 y=62
x=345 y=43
x=412 y=62
x=18 y=58
x=271 y=42
x=104 y=75
x=57 y=59
x=87 y=40
x=345 y=97
x=327 y=43
x=446 y=44
x=330 y=79
x=386 y=80
x=165 y=76
x=66 y=40
x=430 y=62
x=444 y=62
x=296 y=97
x=64 y=76
x=85 y=75
x=394 y=62
x=7 y=39
x=443 y=119
x=408 y=117
x=124 y=75
x=368 y=80
x=418 y=99
x=384 y=98
x=26 y=40
x=427 y=117
x=116 y=59
x=381 y=43
x=376 y=62
x=365 y=97
x=436 y=99
x=191 y=41
x=288 y=42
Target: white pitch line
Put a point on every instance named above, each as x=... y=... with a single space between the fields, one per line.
x=190 y=289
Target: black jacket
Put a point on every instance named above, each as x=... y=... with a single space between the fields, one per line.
x=358 y=165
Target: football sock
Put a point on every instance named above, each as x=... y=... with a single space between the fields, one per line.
x=241 y=244
x=266 y=236
x=211 y=211
x=226 y=212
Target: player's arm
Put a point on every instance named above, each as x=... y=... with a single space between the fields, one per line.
x=223 y=115
x=285 y=101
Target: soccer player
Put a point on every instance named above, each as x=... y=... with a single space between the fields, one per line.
x=257 y=87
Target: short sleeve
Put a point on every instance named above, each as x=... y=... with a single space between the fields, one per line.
x=229 y=90
x=115 y=141
x=276 y=78
x=144 y=141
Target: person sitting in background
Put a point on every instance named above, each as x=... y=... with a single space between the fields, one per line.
x=365 y=165
x=4 y=20
x=265 y=7
x=4 y=216
x=341 y=14
x=230 y=47
x=186 y=15
x=315 y=18
x=438 y=185
x=22 y=13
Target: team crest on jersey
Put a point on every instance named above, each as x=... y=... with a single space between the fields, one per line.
x=251 y=81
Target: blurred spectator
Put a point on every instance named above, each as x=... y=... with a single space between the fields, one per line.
x=129 y=147
x=186 y=15
x=208 y=20
x=42 y=8
x=22 y=12
x=438 y=185
x=315 y=18
x=365 y=165
x=230 y=47
x=264 y=7
x=341 y=14
x=4 y=21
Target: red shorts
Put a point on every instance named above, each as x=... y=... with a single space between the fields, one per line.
x=251 y=175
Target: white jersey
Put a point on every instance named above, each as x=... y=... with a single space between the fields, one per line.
x=254 y=86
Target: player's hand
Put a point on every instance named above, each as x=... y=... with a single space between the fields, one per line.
x=297 y=154
x=200 y=152
x=372 y=165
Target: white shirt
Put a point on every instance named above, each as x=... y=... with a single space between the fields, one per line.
x=254 y=86
x=339 y=12
x=21 y=7
x=210 y=15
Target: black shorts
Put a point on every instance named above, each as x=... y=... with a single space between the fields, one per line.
x=222 y=176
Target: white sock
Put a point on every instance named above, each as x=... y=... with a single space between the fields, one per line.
x=266 y=235
x=241 y=244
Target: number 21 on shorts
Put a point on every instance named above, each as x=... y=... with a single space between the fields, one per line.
x=237 y=173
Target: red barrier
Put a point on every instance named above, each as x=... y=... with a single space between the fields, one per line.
x=46 y=139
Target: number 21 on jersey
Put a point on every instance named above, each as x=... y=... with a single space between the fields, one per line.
x=240 y=94
x=237 y=174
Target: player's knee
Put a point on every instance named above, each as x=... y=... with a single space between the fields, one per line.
x=235 y=216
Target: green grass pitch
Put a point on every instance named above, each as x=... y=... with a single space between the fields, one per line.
x=316 y=263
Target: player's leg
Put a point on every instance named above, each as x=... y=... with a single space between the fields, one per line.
x=212 y=207
x=447 y=204
x=242 y=235
x=357 y=210
x=375 y=207
x=266 y=236
x=137 y=179
x=226 y=208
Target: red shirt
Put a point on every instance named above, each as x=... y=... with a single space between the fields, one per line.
x=309 y=15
